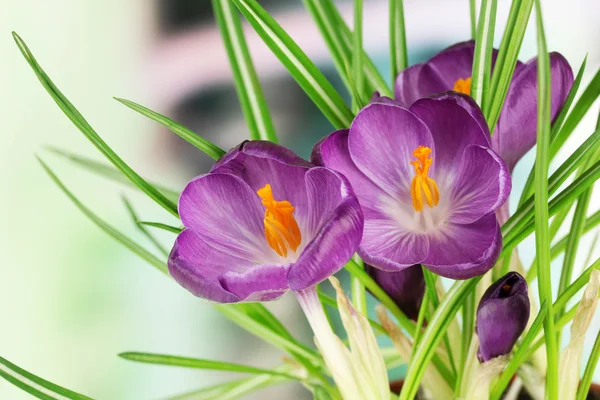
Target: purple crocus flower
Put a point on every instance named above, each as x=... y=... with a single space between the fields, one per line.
x=263 y=221
x=502 y=316
x=427 y=181
x=515 y=132
x=406 y=287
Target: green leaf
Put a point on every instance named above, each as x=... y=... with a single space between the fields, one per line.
x=581 y=156
x=302 y=69
x=576 y=286
x=186 y=362
x=506 y=61
x=590 y=368
x=162 y=226
x=433 y=334
x=85 y=128
x=398 y=49
x=473 y=17
x=482 y=59
x=186 y=134
x=527 y=191
x=233 y=389
x=109 y=172
x=124 y=240
x=357 y=52
x=542 y=235
x=142 y=228
x=34 y=385
x=520 y=355
x=251 y=97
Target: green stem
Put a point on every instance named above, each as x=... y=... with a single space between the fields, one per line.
x=357 y=46
x=398 y=49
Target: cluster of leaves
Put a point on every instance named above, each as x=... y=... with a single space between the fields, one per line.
x=552 y=198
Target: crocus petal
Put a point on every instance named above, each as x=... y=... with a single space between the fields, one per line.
x=333 y=153
x=257 y=283
x=382 y=139
x=260 y=162
x=452 y=127
x=196 y=266
x=406 y=287
x=464 y=251
x=502 y=316
x=482 y=185
x=517 y=125
x=227 y=214
x=387 y=247
x=336 y=221
x=437 y=75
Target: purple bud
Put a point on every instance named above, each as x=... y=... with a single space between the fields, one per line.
x=405 y=287
x=502 y=316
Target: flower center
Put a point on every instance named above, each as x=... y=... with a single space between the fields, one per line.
x=422 y=185
x=281 y=229
x=463 y=86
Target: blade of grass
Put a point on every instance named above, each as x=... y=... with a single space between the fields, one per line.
x=162 y=226
x=34 y=385
x=467 y=333
x=590 y=368
x=142 y=228
x=109 y=172
x=556 y=128
x=248 y=88
x=541 y=217
x=432 y=336
x=519 y=356
x=473 y=17
x=482 y=59
x=187 y=362
x=302 y=69
x=85 y=128
x=124 y=240
x=359 y=296
x=506 y=61
x=357 y=52
x=398 y=49
x=186 y=134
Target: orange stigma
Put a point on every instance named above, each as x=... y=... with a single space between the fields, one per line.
x=281 y=229
x=463 y=86
x=422 y=184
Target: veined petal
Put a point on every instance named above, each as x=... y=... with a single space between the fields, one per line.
x=517 y=125
x=227 y=214
x=262 y=162
x=464 y=251
x=196 y=266
x=257 y=282
x=335 y=222
x=482 y=185
x=382 y=139
x=452 y=127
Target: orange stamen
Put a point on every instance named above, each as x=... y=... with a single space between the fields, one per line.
x=281 y=229
x=422 y=184
x=463 y=86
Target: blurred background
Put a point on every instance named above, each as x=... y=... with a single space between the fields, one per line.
x=71 y=298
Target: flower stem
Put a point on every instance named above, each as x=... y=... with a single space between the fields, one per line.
x=359 y=296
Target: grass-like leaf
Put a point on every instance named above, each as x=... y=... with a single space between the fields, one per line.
x=482 y=59
x=85 y=128
x=142 y=228
x=398 y=49
x=34 y=385
x=506 y=61
x=248 y=87
x=187 y=362
x=109 y=172
x=433 y=334
x=473 y=17
x=590 y=368
x=162 y=226
x=357 y=53
x=300 y=67
x=520 y=355
x=186 y=134
x=556 y=128
x=114 y=233
x=542 y=235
